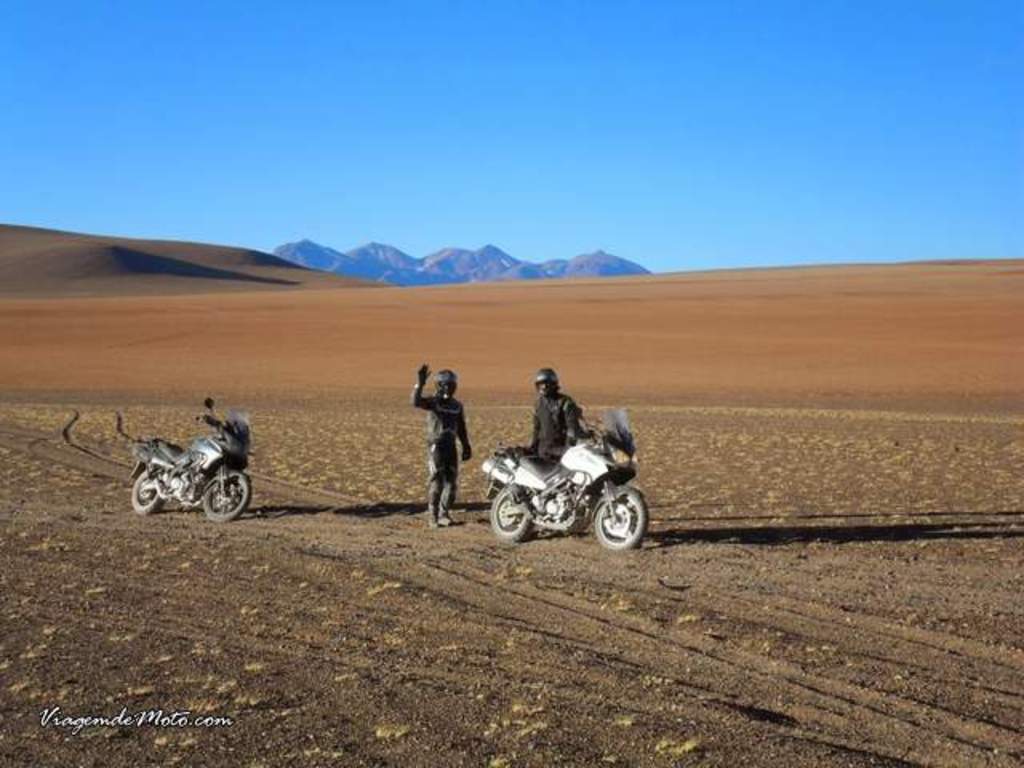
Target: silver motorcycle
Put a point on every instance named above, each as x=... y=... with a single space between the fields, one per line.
x=210 y=472
x=591 y=483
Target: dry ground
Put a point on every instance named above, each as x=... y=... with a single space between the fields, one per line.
x=833 y=574
x=942 y=336
x=819 y=587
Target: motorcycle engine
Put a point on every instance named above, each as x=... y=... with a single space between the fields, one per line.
x=557 y=509
x=176 y=485
x=185 y=485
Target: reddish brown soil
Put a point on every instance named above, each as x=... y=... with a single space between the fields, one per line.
x=835 y=463
x=933 y=335
x=47 y=262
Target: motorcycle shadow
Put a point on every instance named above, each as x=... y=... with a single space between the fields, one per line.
x=781 y=535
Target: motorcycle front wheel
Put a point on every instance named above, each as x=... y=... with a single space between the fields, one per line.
x=225 y=499
x=510 y=521
x=145 y=497
x=621 y=522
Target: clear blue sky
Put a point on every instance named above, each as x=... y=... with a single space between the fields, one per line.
x=680 y=134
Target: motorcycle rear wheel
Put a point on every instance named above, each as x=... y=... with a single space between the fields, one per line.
x=510 y=521
x=222 y=504
x=145 y=497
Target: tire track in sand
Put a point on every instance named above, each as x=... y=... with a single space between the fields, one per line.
x=73 y=452
x=895 y=726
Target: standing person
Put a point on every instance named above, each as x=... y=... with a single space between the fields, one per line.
x=556 y=418
x=446 y=421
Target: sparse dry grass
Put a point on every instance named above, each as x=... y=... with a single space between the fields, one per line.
x=694 y=461
x=362 y=609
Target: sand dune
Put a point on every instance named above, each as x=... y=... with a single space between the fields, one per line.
x=44 y=262
x=885 y=334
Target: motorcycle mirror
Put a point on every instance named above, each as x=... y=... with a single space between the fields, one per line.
x=208 y=402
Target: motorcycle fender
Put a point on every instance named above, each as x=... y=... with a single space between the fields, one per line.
x=140 y=467
x=520 y=495
x=494 y=488
x=218 y=473
x=608 y=492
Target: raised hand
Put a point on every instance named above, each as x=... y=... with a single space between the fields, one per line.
x=422 y=374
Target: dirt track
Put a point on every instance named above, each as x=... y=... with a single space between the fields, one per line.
x=819 y=588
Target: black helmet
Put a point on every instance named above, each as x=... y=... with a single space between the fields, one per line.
x=546 y=380
x=446 y=382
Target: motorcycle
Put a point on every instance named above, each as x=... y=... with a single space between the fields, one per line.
x=210 y=472
x=590 y=483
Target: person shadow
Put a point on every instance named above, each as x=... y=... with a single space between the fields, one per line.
x=376 y=510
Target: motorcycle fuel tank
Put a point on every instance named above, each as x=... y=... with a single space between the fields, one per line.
x=208 y=449
x=581 y=458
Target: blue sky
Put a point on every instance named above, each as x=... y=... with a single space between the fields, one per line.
x=682 y=135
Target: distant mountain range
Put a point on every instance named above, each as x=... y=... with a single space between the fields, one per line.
x=385 y=263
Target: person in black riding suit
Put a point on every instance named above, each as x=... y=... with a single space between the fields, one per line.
x=446 y=423
x=556 y=418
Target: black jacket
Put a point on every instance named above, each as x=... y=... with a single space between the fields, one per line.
x=556 y=426
x=446 y=419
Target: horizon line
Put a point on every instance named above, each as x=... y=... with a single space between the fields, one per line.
x=652 y=273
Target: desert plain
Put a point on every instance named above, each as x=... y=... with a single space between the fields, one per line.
x=834 y=459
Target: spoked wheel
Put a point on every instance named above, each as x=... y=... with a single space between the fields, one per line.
x=621 y=522
x=225 y=499
x=145 y=497
x=510 y=520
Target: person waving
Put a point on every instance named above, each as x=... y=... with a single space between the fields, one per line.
x=446 y=423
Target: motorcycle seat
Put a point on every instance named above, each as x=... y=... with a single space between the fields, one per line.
x=540 y=467
x=170 y=450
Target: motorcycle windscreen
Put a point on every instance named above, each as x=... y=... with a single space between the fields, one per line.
x=237 y=423
x=618 y=432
